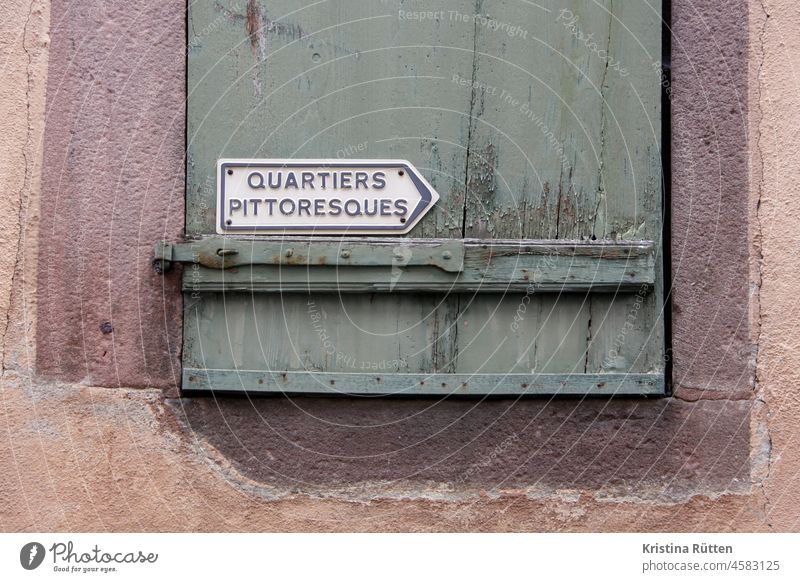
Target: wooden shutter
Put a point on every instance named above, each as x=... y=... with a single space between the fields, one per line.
x=539 y=126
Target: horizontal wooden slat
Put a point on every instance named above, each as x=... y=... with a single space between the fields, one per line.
x=422 y=384
x=487 y=266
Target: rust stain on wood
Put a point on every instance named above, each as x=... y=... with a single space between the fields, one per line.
x=254 y=26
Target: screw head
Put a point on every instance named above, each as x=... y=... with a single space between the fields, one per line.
x=345 y=254
x=447 y=255
x=289 y=252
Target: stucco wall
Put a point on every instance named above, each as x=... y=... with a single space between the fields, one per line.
x=776 y=156
x=23 y=59
x=718 y=456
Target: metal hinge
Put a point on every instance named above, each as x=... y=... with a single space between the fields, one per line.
x=224 y=253
x=337 y=265
x=162 y=257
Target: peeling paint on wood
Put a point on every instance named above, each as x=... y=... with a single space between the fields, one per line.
x=539 y=137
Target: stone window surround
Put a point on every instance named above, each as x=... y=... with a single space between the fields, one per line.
x=104 y=319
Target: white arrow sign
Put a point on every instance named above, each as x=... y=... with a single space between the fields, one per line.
x=320 y=196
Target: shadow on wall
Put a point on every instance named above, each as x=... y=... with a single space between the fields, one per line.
x=655 y=448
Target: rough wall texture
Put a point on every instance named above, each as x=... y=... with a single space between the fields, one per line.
x=778 y=238
x=720 y=456
x=94 y=459
x=713 y=349
x=23 y=61
x=112 y=184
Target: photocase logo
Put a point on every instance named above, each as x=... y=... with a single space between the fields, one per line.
x=31 y=555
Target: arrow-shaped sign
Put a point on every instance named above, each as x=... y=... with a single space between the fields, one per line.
x=320 y=197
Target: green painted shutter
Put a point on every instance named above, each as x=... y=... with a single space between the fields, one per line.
x=538 y=123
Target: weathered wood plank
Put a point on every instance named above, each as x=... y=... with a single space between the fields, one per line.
x=328 y=383
x=529 y=176
x=627 y=331
x=345 y=79
x=329 y=79
x=564 y=143
x=311 y=332
x=536 y=122
x=577 y=279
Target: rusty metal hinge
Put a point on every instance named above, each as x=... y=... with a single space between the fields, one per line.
x=225 y=253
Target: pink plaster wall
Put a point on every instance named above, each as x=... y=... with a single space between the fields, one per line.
x=777 y=155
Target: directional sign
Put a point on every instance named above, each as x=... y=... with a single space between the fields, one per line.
x=320 y=197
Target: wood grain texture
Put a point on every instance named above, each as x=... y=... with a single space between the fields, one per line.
x=532 y=121
x=570 y=150
x=302 y=79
